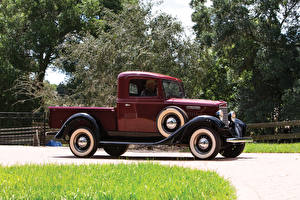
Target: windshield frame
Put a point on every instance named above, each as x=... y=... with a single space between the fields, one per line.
x=180 y=86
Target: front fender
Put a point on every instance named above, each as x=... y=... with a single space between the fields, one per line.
x=205 y=120
x=199 y=121
x=61 y=133
x=238 y=128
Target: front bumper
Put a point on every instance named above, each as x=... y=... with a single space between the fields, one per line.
x=239 y=140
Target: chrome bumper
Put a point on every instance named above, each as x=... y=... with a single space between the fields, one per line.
x=239 y=140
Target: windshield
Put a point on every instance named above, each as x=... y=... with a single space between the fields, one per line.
x=173 y=89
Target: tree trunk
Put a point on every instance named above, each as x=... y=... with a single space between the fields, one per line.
x=43 y=65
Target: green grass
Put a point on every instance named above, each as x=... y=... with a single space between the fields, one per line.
x=272 y=148
x=134 y=181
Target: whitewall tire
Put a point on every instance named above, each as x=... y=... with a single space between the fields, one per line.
x=83 y=143
x=204 y=144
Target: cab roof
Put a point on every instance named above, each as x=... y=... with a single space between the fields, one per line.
x=146 y=74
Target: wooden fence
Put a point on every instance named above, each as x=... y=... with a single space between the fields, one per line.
x=21 y=136
x=24 y=128
x=32 y=136
x=278 y=135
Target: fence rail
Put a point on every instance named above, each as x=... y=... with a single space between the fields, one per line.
x=6 y=131
x=23 y=128
x=274 y=124
x=277 y=136
x=21 y=136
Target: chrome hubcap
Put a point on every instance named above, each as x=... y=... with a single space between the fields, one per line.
x=203 y=143
x=82 y=142
x=171 y=123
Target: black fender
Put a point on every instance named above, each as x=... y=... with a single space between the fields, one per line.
x=238 y=128
x=201 y=121
x=205 y=120
x=184 y=132
x=62 y=132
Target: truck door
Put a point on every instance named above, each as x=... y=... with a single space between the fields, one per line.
x=138 y=111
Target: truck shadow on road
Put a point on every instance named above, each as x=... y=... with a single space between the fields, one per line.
x=152 y=158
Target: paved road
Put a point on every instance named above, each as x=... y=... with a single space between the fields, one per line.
x=255 y=176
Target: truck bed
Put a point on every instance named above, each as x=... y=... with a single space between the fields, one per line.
x=105 y=115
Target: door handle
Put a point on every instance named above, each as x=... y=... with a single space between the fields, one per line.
x=127 y=105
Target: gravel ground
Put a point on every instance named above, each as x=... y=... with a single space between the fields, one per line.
x=255 y=176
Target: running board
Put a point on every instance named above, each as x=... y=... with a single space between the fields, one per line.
x=134 y=143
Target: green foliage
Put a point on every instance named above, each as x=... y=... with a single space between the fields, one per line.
x=135 y=40
x=142 y=181
x=245 y=52
x=31 y=33
x=8 y=98
x=256 y=43
x=291 y=102
x=30 y=91
x=5 y=97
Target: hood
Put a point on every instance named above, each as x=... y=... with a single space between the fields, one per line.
x=196 y=102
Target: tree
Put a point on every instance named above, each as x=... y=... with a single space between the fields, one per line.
x=8 y=75
x=255 y=41
x=31 y=32
x=136 y=40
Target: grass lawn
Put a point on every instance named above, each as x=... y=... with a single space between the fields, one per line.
x=272 y=148
x=134 y=181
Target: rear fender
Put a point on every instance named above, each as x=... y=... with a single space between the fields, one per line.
x=67 y=126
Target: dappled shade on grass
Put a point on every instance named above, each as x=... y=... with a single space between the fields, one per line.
x=134 y=181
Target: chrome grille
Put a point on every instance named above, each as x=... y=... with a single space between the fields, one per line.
x=225 y=115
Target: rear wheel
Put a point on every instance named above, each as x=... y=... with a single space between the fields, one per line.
x=83 y=143
x=233 y=150
x=115 y=150
x=204 y=144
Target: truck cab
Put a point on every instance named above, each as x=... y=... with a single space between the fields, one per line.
x=138 y=110
x=151 y=109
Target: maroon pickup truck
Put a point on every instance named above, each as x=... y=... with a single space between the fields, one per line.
x=151 y=110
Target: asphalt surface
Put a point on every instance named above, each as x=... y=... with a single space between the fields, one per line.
x=255 y=176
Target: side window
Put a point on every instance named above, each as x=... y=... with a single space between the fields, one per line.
x=173 y=89
x=143 y=87
x=133 y=89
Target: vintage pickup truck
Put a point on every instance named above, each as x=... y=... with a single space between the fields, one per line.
x=151 y=110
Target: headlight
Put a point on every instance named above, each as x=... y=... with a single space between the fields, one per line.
x=220 y=114
x=232 y=116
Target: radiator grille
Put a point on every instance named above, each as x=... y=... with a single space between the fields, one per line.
x=225 y=115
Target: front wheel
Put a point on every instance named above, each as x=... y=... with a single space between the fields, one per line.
x=83 y=143
x=205 y=144
x=115 y=150
x=233 y=150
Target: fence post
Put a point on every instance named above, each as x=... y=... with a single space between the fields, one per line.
x=36 y=140
x=43 y=135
